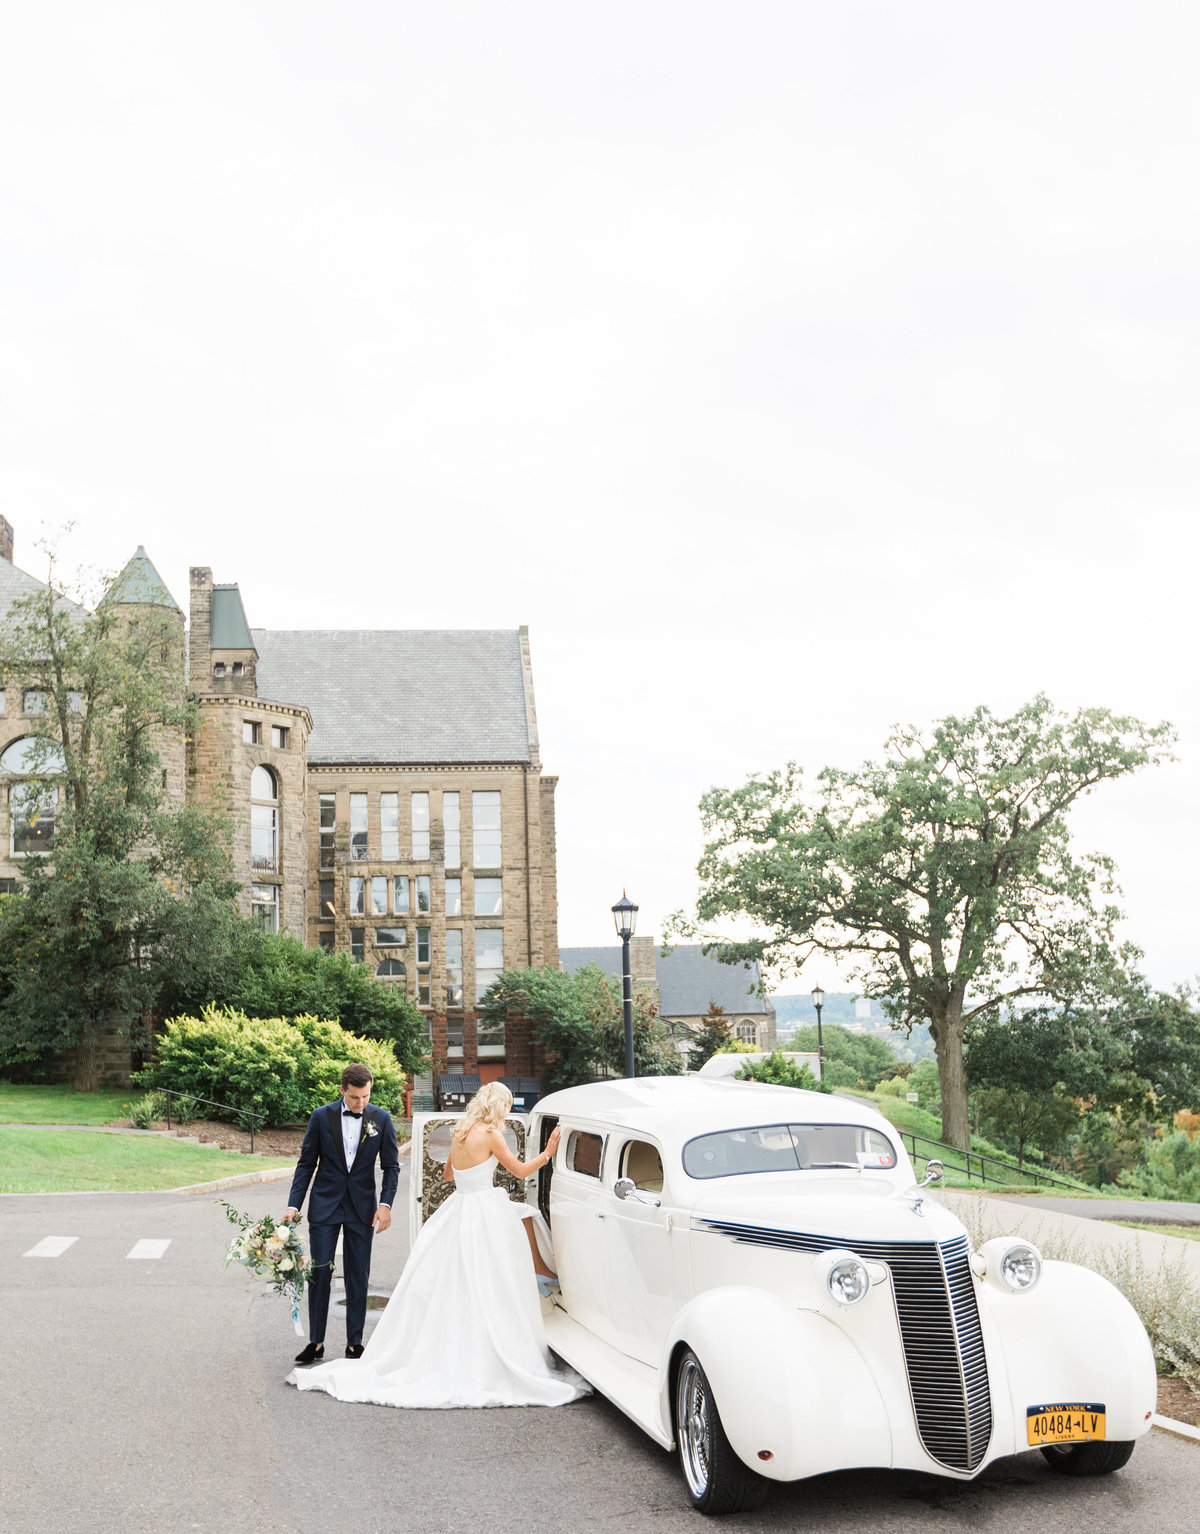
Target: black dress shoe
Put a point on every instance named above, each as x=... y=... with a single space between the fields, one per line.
x=354 y=1350
x=312 y=1354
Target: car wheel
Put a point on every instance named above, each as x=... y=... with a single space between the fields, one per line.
x=1088 y=1458
x=717 y=1481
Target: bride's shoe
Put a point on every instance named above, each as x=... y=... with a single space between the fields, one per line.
x=547 y=1286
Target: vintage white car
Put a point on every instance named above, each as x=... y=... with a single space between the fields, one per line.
x=753 y=1276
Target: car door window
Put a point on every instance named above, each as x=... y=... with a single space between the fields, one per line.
x=585 y=1152
x=641 y=1162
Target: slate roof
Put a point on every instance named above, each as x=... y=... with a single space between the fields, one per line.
x=401 y=695
x=230 y=631
x=15 y=583
x=140 y=582
x=688 y=981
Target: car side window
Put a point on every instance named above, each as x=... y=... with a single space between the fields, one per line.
x=641 y=1162
x=585 y=1152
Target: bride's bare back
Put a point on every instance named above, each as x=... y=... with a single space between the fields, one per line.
x=482 y=1141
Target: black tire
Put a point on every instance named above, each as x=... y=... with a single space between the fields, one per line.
x=715 y=1477
x=1088 y=1458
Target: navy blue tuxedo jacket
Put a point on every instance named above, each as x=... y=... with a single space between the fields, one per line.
x=337 y=1190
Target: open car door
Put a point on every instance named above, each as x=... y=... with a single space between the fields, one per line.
x=428 y=1188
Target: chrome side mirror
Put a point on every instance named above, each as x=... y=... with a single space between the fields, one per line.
x=935 y=1171
x=626 y=1188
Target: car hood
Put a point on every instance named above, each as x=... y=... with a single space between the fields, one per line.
x=856 y=1210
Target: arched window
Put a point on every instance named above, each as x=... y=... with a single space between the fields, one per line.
x=747 y=1032
x=264 y=821
x=390 y=969
x=263 y=785
x=32 y=799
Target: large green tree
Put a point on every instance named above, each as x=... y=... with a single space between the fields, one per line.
x=133 y=889
x=943 y=873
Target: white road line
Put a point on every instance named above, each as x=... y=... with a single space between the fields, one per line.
x=148 y=1249
x=51 y=1246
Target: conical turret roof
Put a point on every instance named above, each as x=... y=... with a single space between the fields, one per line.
x=140 y=583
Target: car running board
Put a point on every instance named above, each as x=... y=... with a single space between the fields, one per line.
x=629 y=1385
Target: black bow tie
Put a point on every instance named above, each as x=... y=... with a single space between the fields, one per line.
x=346 y=1114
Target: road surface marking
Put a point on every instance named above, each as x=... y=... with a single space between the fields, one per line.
x=51 y=1246
x=149 y=1249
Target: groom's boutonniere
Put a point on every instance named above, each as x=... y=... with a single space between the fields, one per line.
x=369 y=1129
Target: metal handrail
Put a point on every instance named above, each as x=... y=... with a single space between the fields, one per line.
x=968 y=1155
x=255 y=1118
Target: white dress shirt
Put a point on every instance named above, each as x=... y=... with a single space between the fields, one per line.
x=351 y=1135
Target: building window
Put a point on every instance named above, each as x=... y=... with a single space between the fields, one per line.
x=74 y=703
x=389 y=827
x=264 y=822
x=34 y=701
x=451 y=825
x=31 y=811
x=747 y=1032
x=454 y=1038
x=420 y=827
x=358 y=943
x=325 y=905
x=391 y=969
x=358 y=896
x=489 y=958
x=325 y=940
x=379 y=894
x=238 y=668
x=400 y=895
x=3 y=701
x=279 y=736
x=422 y=883
x=326 y=826
x=453 y=897
x=454 y=967
x=485 y=827
x=391 y=937
x=219 y=671
x=358 y=828
x=251 y=732
x=423 y=985
x=8 y=886
x=490 y=1039
x=489 y=897
x=264 y=906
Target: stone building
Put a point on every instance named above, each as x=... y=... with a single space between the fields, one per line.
x=386 y=792
x=688 y=982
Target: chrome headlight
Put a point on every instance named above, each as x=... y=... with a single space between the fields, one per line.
x=1012 y=1264
x=844 y=1275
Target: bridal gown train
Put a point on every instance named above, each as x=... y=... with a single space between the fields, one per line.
x=464 y=1325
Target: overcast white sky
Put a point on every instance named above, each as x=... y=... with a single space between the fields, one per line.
x=791 y=369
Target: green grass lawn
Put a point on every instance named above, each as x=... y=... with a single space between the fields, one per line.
x=70 y=1161
x=61 y=1105
x=1187 y=1232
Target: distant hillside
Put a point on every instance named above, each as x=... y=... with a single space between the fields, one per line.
x=838 y=1007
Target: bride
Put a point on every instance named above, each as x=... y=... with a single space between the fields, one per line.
x=464 y=1325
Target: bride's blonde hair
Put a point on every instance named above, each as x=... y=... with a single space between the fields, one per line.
x=491 y=1105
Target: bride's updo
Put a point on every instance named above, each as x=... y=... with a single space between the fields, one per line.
x=491 y=1105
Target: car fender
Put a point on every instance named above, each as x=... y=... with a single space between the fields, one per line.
x=787 y=1382
x=1074 y=1338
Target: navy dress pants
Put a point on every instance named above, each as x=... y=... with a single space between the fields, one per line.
x=356 y=1269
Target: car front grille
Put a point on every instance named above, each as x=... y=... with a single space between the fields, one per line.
x=939 y=1330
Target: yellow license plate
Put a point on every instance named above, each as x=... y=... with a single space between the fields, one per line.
x=1065 y=1422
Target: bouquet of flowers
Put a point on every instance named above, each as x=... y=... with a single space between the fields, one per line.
x=272 y=1249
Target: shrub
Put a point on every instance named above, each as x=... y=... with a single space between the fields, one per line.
x=147 y=1110
x=282 y=1069
x=1170 y=1168
x=780 y=1071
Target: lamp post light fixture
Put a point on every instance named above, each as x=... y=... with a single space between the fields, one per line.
x=625 y=920
x=818 y=996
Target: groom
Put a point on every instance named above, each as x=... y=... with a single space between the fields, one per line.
x=341 y=1145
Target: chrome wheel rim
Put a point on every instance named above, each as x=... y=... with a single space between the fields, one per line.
x=693 y=1410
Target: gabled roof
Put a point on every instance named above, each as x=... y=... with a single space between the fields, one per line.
x=15 y=584
x=688 y=980
x=401 y=695
x=230 y=631
x=140 y=583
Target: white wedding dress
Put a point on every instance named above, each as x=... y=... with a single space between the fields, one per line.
x=464 y=1325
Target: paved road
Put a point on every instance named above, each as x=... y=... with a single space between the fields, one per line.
x=145 y=1395
x=1156 y=1211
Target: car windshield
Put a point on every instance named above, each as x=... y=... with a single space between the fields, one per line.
x=787 y=1148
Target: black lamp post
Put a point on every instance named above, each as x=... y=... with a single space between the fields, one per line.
x=818 y=996
x=625 y=919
